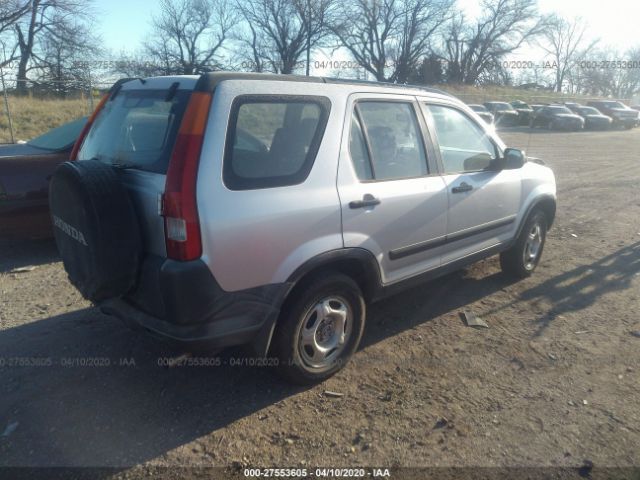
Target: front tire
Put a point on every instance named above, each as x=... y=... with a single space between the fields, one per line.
x=320 y=330
x=521 y=260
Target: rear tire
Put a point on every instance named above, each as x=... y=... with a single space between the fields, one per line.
x=320 y=330
x=521 y=260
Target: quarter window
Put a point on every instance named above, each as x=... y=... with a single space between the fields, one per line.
x=273 y=142
x=385 y=141
x=464 y=146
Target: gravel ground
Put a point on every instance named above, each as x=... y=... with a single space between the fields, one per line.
x=554 y=381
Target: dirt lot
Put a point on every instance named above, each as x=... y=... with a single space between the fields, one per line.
x=554 y=381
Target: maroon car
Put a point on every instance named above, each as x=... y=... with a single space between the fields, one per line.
x=25 y=170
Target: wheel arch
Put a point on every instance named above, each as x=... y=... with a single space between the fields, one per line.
x=357 y=263
x=547 y=204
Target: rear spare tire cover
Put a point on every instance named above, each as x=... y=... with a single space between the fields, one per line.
x=96 y=229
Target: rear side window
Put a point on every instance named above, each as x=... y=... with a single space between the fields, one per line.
x=273 y=140
x=386 y=142
x=136 y=129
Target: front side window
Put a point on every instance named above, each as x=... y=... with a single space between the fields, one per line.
x=386 y=142
x=464 y=145
x=273 y=141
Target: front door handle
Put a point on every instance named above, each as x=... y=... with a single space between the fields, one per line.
x=367 y=201
x=463 y=187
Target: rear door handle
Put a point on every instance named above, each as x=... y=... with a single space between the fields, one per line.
x=367 y=201
x=463 y=187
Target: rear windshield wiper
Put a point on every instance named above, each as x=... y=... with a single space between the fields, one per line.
x=119 y=83
x=123 y=166
x=172 y=91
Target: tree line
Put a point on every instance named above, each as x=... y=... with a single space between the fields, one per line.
x=52 y=43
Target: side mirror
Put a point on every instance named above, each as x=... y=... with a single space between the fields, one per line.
x=513 y=159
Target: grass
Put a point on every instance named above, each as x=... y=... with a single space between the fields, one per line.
x=34 y=116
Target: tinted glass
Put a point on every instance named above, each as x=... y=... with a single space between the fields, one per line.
x=136 y=129
x=273 y=143
x=557 y=110
x=60 y=138
x=464 y=146
x=589 y=111
x=397 y=150
x=358 y=151
x=613 y=105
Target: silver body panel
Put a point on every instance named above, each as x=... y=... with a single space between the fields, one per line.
x=258 y=237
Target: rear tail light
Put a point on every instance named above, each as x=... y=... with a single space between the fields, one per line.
x=87 y=126
x=182 y=226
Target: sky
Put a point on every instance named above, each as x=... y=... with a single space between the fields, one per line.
x=124 y=24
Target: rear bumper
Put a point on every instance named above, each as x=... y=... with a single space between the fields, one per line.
x=183 y=302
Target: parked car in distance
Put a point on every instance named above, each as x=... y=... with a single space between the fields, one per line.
x=573 y=106
x=593 y=119
x=525 y=112
x=621 y=115
x=482 y=112
x=25 y=170
x=557 y=117
x=504 y=114
x=168 y=220
x=636 y=108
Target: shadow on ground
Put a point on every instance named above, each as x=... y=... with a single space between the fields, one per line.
x=583 y=286
x=18 y=254
x=101 y=396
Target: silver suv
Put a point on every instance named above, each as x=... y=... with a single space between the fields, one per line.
x=268 y=210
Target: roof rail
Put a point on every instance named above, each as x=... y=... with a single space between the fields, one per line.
x=208 y=81
x=349 y=81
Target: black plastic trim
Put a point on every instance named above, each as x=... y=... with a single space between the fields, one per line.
x=183 y=301
x=535 y=204
x=486 y=227
x=208 y=81
x=402 y=285
x=417 y=248
x=440 y=241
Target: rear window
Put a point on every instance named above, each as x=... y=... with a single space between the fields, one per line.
x=59 y=138
x=137 y=129
x=273 y=141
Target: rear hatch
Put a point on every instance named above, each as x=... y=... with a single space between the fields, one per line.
x=135 y=131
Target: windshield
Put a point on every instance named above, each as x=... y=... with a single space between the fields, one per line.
x=557 y=110
x=520 y=105
x=59 y=138
x=136 y=129
x=613 y=105
x=503 y=106
x=478 y=108
x=589 y=111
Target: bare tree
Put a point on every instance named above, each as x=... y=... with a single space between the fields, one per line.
x=46 y=19
x=188 y=35
x=388 y=38
x=10 y=12
x=420 y=21
x=282 y=31
x=615 y=80
x=564 y=41
x=472 y=48
x=60 y=59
